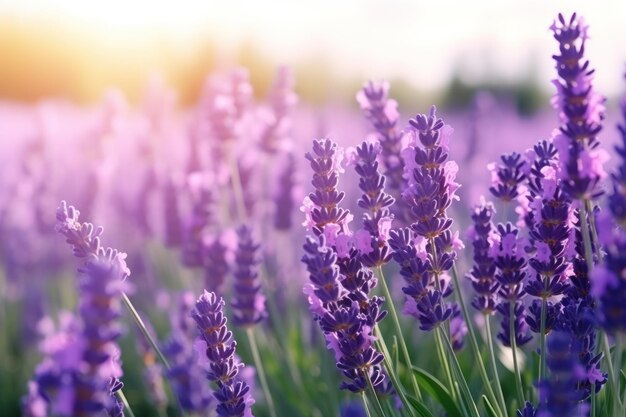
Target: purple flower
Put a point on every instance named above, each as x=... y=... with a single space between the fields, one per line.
x=559 y=394
x=340 y=303
x=284 y=194
x=376 y=203
x=324 y=161
x=248 y=303
x=482 y=274
x=172 y=221
x=202 y=201
x=215 y=264
x=232 y=393
x=507 y=176
x=276 y=122
x=581 y=111
x=383 y=114
x=102 y=280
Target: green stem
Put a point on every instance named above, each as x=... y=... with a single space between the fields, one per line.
x=518 y=378
x=144 y=330
x=379 y=406
x=122 y=398
x=235 y=180
x=259 y=366
x=465 y=391
x=594 y=231
x=380 y=343
x=477 y=353
x=367 y=409
x=400 y=336
x=584 y=228
x=443 y=358
x=617 y=360
x=613 y=377
x=542 y=335
x=502 y=404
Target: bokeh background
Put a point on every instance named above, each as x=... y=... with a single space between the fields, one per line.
x=429 y=50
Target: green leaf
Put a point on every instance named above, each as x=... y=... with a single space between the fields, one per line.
x=489 y=407
x=438 y=391
x=419 y=407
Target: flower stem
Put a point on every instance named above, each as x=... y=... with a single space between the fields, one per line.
x=380 y=343
x=512 y=335
x=494 y=365
x=365 y=406
x=443 y=358
x=144 y=330
x=462 y=383
x=259 y=366
x=396 y=322
x=379 y=406
x=120 y=394
x=235 y=180
x=542 y=335
x=477 y=353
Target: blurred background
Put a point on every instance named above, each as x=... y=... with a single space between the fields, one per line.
x=438 y=51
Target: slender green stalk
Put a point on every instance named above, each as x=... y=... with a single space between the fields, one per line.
x=461 y=382
x=494 y=365
x=380 y=344
x=259 y=367
x=379 y=406
x=477 y=353
x=367 y=409
x=122 y=398
x=400 y=336
x=518 y=378
x=594 y=231
x=144 y=330
x=613 y=376
x=443 y=359
x=584 y=228
x=617 y=360
x=542 y=334
x=235 y=180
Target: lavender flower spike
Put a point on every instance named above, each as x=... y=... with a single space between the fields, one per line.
x=232 y=393
x=248 y=303
x=581 y=110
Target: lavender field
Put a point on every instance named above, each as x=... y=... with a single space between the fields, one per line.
x=261 y=253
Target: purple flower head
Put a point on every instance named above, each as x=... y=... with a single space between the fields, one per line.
x=102 y=281
x=482 y=274
x=559 y=393
x=215 y=264
x=325 y=162
x=202 y=201
x=284 y=194
x=232 y=393
x=248 y=303
x=581 y=111
x=172 y=221
x=376 y=203
x=382 y=112
x=507 y=176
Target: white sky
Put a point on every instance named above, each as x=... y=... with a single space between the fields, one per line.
x=418 y=40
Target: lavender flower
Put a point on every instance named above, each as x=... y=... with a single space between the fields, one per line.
x=172 y=221
x=202 y=200
x=483 y=270
x=559 y=393
x=102 y=281
x=153 y=370
x=282 y=99
x=283 y=196
x=248 y=303
x=382 y=112
x=377 y=218
x=507 y=177
x=215 y=264
x=233 y=393
x=340 y=304
x=510 y=261
x=322 y=204
x=581 y=111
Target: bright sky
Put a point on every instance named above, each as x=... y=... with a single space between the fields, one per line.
x=419 y=40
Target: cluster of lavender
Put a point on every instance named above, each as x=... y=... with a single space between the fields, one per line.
x=83 y=378
x=339 y=292
x=427 y=251
x=223 y=368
